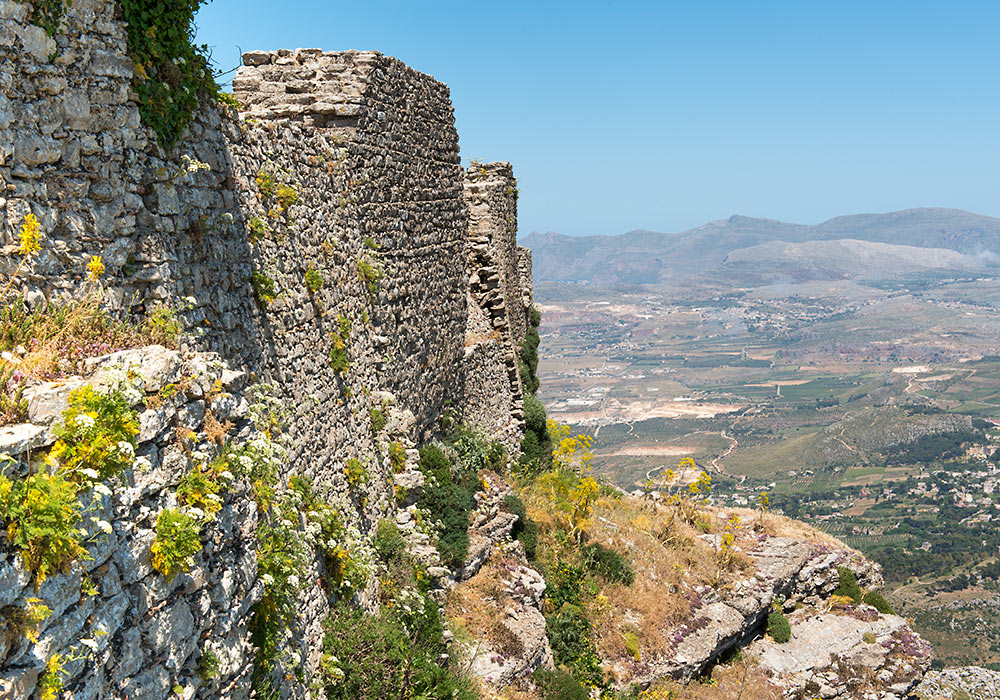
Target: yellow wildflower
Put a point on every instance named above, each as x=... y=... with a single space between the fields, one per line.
x=30 y=235
x=95 y=268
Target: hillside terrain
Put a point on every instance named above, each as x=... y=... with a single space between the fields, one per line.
x=857 y=383
x=847 y=258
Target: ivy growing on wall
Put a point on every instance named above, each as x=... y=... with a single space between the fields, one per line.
x=172 y=74
x=47 y=14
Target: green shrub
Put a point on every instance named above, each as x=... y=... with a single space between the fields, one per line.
x=266 y=184
x=848 y=585
x=263 y=287
x=559 y=685
x=355 y=472
x=449 y=497
x=369 y=276
x=389 y=541
x=476 y=452
x=778 y=627
x=208 y=665
x=875 y=599
x=178 y=539
x=525 y=530
x=199 y=489
x=339 y=361
x=397 y=457
x=528 y=355
x=42 y=516
x=97 y=434
x=564 y=585
x=536 y=448
x=608 y=564
x=378 y=419
x=314 y=280
x=259 y=229
x=569 y=633
x=286 y=196
x=172 y=75
x=388 y=656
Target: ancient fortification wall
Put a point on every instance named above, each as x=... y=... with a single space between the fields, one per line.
x=339 y=185
x=499 y=302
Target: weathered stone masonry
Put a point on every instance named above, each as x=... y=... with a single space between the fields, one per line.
x=370 y=149
x=499 y=302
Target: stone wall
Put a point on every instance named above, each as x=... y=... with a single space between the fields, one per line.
x=381 y=214
x=70 y=139
x=499 y=303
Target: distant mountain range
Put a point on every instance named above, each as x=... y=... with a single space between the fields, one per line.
x=861 y=245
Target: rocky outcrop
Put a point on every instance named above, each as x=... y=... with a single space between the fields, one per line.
x=850 y=654
x=126 y=629
x=523 y=647
x=976 y=683
x=789 y=571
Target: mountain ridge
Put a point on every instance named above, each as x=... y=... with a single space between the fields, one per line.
x=643 y=256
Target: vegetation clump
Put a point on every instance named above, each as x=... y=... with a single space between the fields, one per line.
x=178 y=539
x=877 y=601
x=339 y=337
x=172 y=74
x=448 y=495
x=43 y=512
x=556 y=684
x=608 y=564
x=314 y=280
x=392 y=655
x=369 y=275
x=778 y=627
x=263 y=287
x=848 y=585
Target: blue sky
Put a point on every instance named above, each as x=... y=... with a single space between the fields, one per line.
x=665 y=115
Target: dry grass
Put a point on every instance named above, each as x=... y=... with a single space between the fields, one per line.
x=214 y=430
x=669 y=559
x=475 y=609
x=740 y=680
x=58 y=336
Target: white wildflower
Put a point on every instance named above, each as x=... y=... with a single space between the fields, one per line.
x=267 y=579
x=125 y=448
x=227 y=475
x=213 y=497
x=90 y=473
x=293 y=581
x=199 y=456
x=84 y=421
x=196 y=512
x=102 y=489
x=287 y=524
x=89 y=643
x=105 y=526
x=132 y=395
